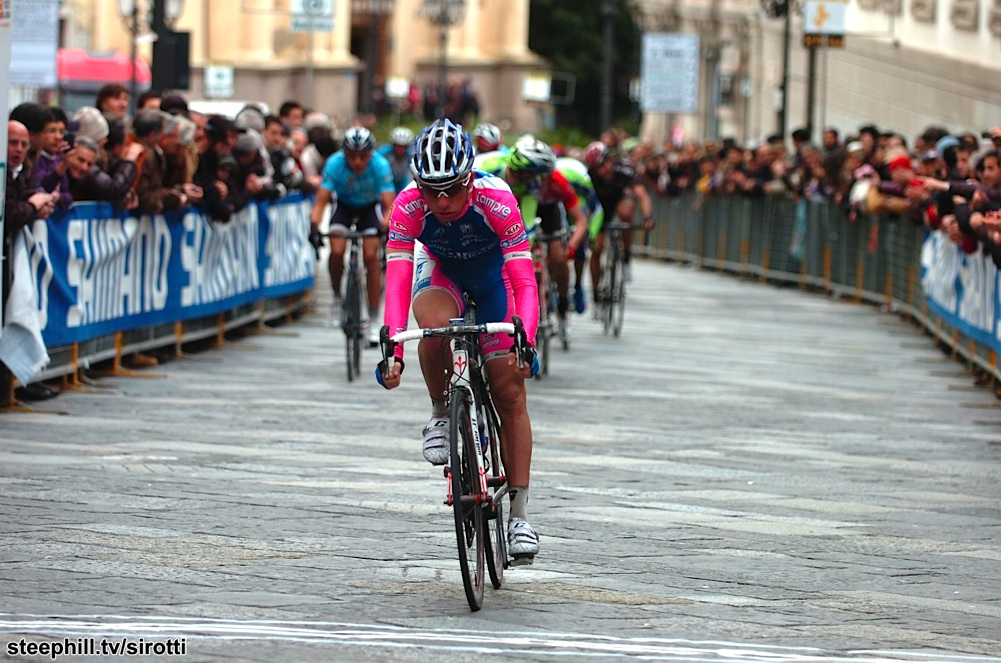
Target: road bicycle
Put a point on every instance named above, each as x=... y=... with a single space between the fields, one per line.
x=551 y=323
x=352 y=322
x=611 y=299
x=475 y=471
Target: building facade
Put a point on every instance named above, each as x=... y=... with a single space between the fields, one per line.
x=335 y=71
x=904 y=65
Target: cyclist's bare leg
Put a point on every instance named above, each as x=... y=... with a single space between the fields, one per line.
x=335 y=265
x=510 y=399
x=373 y=270
x=434 y=308
x=596 y=251
x=559 y=270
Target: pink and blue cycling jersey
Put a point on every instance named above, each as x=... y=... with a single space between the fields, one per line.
x=484 y=252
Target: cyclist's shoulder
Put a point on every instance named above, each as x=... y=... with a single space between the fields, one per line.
x=491 y=162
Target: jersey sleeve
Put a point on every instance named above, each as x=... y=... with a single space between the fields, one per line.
x=564 y=190
x=405 y=221
x=507 y=223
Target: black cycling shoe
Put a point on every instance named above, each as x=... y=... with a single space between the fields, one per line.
x=36 y=391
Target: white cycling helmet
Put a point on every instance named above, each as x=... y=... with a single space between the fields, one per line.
x=401 y=136
x=442 y=154
x=532 y=156
x=357 y=139
x=488 y=137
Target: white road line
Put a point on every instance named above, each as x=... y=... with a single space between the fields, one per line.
x=478 y=641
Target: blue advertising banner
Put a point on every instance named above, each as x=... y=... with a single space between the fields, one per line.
x=101 y=271
x=962 y=289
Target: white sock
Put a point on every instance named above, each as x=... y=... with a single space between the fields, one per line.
x=519 y=501
x=439 y=407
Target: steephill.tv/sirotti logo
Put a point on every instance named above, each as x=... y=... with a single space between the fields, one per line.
x=98 y=647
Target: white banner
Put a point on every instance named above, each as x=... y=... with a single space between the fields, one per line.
x=670 y=72
x=35 y=43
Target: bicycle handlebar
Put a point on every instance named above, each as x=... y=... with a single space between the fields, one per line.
x=349 y=234
x=515 y=328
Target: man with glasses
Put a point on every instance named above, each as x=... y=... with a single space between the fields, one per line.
x=473 y=241
x=358 y=184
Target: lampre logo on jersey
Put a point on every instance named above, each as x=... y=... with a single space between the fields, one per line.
x=498 y=208
x=413 y=206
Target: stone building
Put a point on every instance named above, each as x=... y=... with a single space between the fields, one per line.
x=334 y=71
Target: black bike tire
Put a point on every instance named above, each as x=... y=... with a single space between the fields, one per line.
x=469 y=527
x=619 y=300
x=544 y=336
x=609 y=302
x=561 y=320
x=352 y=325
x=496 y=531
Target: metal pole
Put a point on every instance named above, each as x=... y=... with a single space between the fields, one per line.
x=442 y=66
x=368 y=101
x=608 y=43
x=309 y=68
x=133 y=53
x=811 y=88
x=786 y=38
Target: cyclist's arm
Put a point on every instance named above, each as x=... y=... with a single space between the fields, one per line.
x=323 y=198
x=387 y=204
x=399 y=284
x=646 y=205
x=580 y=224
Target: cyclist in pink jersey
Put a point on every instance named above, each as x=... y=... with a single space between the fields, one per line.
x=473 y=241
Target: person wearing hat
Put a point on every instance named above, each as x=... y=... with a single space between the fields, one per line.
x=217 y=137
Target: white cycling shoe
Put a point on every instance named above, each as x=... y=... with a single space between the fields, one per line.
x=522 y=541
x=436 y=441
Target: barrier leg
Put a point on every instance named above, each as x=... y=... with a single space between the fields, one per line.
x=71 y=381
x=117 y=369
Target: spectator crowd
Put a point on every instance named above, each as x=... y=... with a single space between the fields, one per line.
x=165 y=156
x=949 y=182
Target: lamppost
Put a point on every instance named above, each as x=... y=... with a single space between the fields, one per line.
x=444 y=14
x=608 y=14
x=375 y=9
x=152 y=16
x=782 y=9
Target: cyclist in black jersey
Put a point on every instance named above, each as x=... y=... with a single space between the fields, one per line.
x=619 y=188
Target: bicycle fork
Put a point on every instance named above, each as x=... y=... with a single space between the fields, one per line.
x=462 y=387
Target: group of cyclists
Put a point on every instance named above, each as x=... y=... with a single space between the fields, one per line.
x=459 y=219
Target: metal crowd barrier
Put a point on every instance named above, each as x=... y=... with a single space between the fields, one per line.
x=811 y=244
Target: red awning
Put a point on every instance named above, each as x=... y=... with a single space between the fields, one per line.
x=76 y=66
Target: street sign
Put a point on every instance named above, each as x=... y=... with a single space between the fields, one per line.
x=312 y=15
x=824 y=17
x=670 y=70
x=219 y=82
x=831 y=41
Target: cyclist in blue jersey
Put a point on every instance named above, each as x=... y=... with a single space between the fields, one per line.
x=397 y=153
x=357 y=183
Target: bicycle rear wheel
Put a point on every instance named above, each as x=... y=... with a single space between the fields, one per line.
x=352 y=325
x=468 y=511
x=544 y=334
x=496 y=537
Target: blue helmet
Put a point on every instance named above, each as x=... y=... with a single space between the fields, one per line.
x=442 y=154
x=358 y=138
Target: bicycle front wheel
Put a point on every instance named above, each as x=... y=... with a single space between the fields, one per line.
x=352 y=325
x=466 y=504
x=618 y=311
x=545 y=332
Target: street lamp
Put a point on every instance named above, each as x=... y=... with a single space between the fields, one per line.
x=375 y=9
x=156 y=17
x=782 y=9
x=444 y=14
